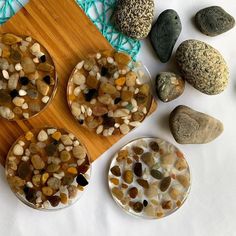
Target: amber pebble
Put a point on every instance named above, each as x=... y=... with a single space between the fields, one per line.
x=65 y=156
x=30 y=194
x=138 y=169
x=16 y=182
x=123 y=154
x=64 y=198
x=37 y=162
x=137 y=150
x=67 y=179
x=54 y=200
x=126 y=95
x=184 y=180
x=148 y=159
x=174 y=193
x=17 y=110
x=115 y=170
x=138 y=116
x=125 y=186
x=92 y=82
x=45 y=67
x=133 y=192
x=72 y=170
x=107 y=88
x=168 y=159
x=181 y=164
x=117 y=193
x=36 y=179
x=140 y=98
x=129 y=161
x=138 y=207
x=99 y=110
x=10 y=39
x=114 y=181
x=44 y=178
x=47 y=191
x=128 y=176
x=166 y=205
x=154 y=146
x=122 y=58
x=56 y=135
x=24 y=170
x=144 y=183
x=29 y=135
x=53 y=168
x=156 y=174
x=165 y=183
x=34 y=148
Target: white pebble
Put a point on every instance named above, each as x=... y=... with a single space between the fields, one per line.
x=79 y=78
x=22 y=92
x=134 y=109
x=110 y=60
x=45 y=99
x=135 y=123
x=111 y=130
x=27 y=152
x=116 y=125
x=18 y=67
x=12 y=158
x=29 y=184
x=61 y=147
x=136 y=91
x=144 y=110
x=5 y=74
x=0 y=52
x=25 y=158
x=76 y=143
x=123 y=104
x=98 y=76
x=99 y=129
x=89 y=111
x=23 y=48
x=83 y=86
x=59 y=176
x=92 y=73
x=18 y=150
x=93 y=101
x=77 y=91
x=72 y=136
x=82 y=109
x=80 y=65
x=126 y=121
x=51 y=131
x=25 y=106
x=46 y=204
x=116 y=75
x=118 y=88
x=36 y=60
x=36 y=172
x=18 y=101
x=134 y=102
x=80 y=162
x=105 y=132
x=98 y=56
x=22 y=143
x=38 y=200
x=35 y=48
x=124 y=129
x=28 y=39
x=11 y=68
x=110 y=113
x=69 y=148
x=42 y=136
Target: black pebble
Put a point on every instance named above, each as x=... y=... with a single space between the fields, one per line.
x=30 y=194
x=92 y=93
x=81 y=121
x=14 y=93
x=104 y=71
x=108 y=121
x=117 y=100
x=47 y=79
x=145 y=203
x=80 y=179
x=24 y=80
x=43 y=59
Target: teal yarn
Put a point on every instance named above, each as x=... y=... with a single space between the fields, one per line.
x=100 y=12
x=8 y=8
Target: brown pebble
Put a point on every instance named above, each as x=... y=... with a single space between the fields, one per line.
x=144 y=183
x=53 y=168
x=54 y=200
x=154 y=146
x=133 y=192
x=123 y=154
x=165 y=183
x=166 y=205
x=148 y=159
x=138 y=207
x=137 y=150
x=115 y=170
x=24 y=170
x=138 y=169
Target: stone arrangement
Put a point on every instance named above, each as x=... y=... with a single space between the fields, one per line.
x=27 y=79
x=48 y=168
x=109 y=94
x=149 y=178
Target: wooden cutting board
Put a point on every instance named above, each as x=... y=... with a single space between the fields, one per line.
x=68 y=34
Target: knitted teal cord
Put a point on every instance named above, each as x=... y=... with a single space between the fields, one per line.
x=99 y=11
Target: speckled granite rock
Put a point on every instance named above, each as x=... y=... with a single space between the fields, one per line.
x=169 y=86
x=134 y=17
x=202 y=66
x=192 y=127
x=214 y=20
x=165 y=33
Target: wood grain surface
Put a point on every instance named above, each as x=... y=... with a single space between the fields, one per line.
x=67 y=33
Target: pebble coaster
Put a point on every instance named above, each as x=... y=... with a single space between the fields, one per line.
x=149 y=178
x=48 y=168
x=28 y=78
x=109 y=93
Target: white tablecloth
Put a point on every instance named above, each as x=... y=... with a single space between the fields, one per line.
x=211 y=207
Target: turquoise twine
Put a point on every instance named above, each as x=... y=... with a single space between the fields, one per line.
x=99 y=11
x=7 y=9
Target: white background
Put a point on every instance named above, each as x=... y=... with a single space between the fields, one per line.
x=211 y=207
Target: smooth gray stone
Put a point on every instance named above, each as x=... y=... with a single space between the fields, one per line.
x=214 y=20
x=192 y=127
x=165 y=33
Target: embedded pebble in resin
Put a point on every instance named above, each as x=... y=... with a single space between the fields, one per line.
x=149 y=178
x=109 y=93
x=27 y=77
x=42 y=174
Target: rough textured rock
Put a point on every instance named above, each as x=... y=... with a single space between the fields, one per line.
x=214 y=20
x=165 y=33
x=202 y=66
x=134 y=17
x=169 y=86
x=192 y=127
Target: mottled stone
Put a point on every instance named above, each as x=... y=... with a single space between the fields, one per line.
x=134 y=17
x=202 y=66
x=214 y=20
x=169 y=86
x=164 y=34
x=192 y=127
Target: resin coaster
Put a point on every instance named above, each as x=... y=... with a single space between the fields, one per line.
x=149 y=178
x=109 y=93
x=48 y=168
x=27 y=79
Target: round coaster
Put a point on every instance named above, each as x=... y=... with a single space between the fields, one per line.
x=109 y=93
x=48 y=168
x=149 y=178
x=28 y=78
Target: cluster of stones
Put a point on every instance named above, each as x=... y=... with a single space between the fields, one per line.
x=27 y=77
x=109 y=93
x=47 y=168
x=149 y=178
